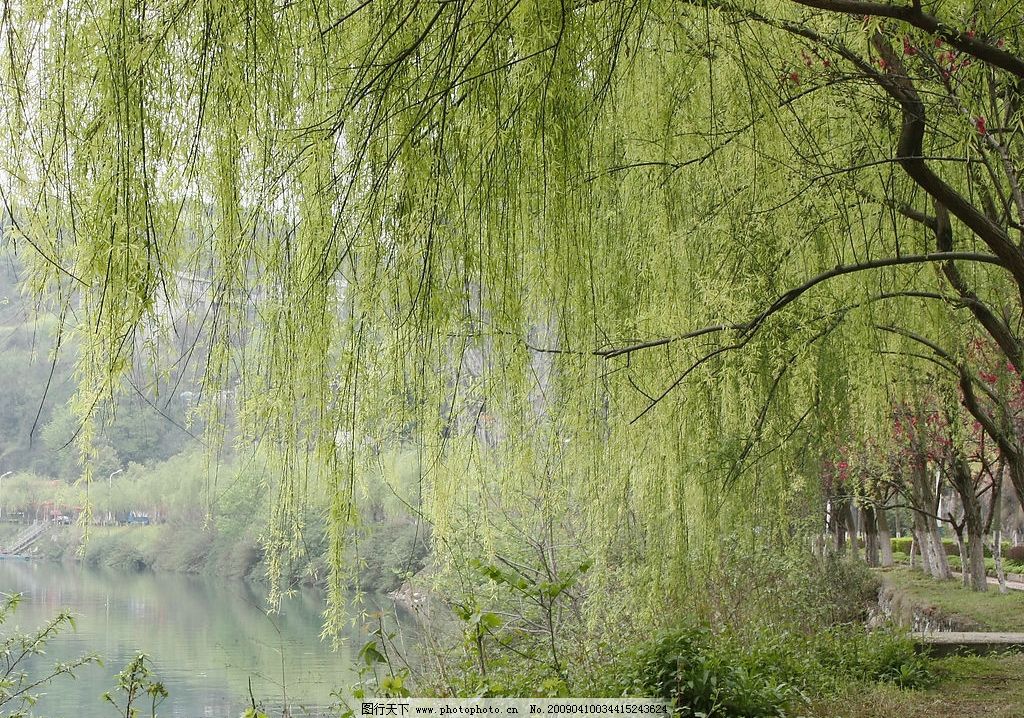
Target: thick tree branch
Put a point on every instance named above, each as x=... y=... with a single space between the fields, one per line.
x=897 y=85
x=996 y=328
x=749 y=327
x=914 y=16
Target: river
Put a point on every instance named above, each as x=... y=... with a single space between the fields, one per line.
x=207 y=639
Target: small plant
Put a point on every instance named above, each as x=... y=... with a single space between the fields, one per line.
x=136 y=681
x=17 y=686
x=392 y=681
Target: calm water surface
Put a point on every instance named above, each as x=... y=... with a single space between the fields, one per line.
x=207 y=639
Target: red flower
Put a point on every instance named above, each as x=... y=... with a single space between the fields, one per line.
x=908 y=49
x=979 y=122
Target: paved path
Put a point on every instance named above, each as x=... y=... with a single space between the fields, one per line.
x=945 y=642
x=992 y=581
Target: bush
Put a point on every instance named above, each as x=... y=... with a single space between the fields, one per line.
x=701 y=676
x=851 y=653
x=768 y=673
x=389 y=553
x=114 y=551
x=901 y=544
x=1014 y=553
x=758 y=584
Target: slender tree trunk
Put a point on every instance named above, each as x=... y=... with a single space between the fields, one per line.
x=997 y=556
x=839 y=525
x=868 y=521
x=963 y=483
x=995 y=515
x=851 y=524
x=924 y=544
x=965 y=563
x=941 y=562
x=884 y=537
x=923 y=496
x=976 y=549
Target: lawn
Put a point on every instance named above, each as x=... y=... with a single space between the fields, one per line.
x=969 y=686
x=994 y=611
x=966 y=686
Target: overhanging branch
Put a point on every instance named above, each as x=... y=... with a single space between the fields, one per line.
x=914 y=16
x=749 y=327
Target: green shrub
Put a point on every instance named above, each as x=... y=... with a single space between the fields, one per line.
x=902 y=544
x=701 y=676
x=767 y=673
x=854 y=654
x=389 y=553
x=1013 y=553
x=753 y=585
x=114 y=551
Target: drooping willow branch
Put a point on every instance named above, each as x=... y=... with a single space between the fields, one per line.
x=753 y=324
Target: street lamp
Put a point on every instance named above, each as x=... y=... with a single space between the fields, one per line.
x=110 y=495
x=2 y=476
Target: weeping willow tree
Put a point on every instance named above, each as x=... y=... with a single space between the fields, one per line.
x=636 y=259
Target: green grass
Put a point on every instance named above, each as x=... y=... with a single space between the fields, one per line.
x=969 y=686
x=994 y=611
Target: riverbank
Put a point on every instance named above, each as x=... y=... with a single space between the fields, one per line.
x=966 y=686
x=386 y=554
x=970 y=610
x=211 y=642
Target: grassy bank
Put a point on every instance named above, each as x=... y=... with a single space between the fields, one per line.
x=967 y=686
x=385 y=554
x=159 y=548
x=991 y=610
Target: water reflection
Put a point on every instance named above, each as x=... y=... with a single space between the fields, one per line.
x=207 y=638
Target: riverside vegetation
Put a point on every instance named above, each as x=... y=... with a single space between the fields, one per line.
x=670 y=300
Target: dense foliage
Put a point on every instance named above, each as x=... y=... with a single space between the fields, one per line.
x=614 y=266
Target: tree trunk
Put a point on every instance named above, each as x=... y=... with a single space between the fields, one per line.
x=851 y=524
x=940 y=568
x=965 y=563
x=884 y=537
x=963 y=483
x=976 y=549
x=923 y=497
x=996 y=516
x=924 y=545
x=868 y=514
x=997 y=556
x=838 y=525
